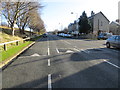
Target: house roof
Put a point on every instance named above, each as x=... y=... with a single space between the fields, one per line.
x=97 y=14
x=115 y=23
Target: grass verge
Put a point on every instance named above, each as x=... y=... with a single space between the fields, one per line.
x=14 y=50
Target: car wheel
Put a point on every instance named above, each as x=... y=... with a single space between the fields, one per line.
x=108 y=45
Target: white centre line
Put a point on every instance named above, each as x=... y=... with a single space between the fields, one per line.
x=48 y=51
x=49 y=82
x=48 y=62
x=57 y=50
x=49 y=75
x=112 y=64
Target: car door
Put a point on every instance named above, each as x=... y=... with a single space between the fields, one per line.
x=112 y=40
x=117 y=41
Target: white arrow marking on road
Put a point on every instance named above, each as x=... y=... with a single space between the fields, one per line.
x=35 y=54
x=49 y=82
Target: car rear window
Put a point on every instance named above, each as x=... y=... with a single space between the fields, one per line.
x=118 y=37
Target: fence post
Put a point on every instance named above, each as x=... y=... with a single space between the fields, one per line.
x=17 y=43
x=5 y=47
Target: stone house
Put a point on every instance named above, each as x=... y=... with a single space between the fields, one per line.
x=99 y=23
x=73 y=28
x=114 y=27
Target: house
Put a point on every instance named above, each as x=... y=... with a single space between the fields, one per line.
x=73 y=27
x=114 y=27
x=99 y=23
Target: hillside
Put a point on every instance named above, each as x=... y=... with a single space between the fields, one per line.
x=6 y=37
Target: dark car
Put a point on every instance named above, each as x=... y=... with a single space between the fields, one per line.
x=44 y=35
x=113 y=41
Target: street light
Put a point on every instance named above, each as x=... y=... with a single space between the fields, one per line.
x=61 y=26
x=76 y=15
x=76 y=22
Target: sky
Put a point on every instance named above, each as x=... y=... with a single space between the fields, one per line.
x=56 y=14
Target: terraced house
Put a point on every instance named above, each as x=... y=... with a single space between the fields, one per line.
x=115 y=27
x=99 y=23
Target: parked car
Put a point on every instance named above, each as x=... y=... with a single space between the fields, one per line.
x=113 y=41
x=104 y=36
x=44 y=35
x=64 y=35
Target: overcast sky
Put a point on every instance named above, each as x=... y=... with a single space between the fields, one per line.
x=56 y=14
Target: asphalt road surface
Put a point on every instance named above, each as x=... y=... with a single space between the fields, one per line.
x=57 y=62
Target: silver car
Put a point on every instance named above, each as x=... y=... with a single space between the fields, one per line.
x=113 y=41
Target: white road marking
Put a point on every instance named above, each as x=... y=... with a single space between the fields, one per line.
x=31 y=56
x=84 y=50
x=48 y=62
x=49 y=82
x=35 y=54
x=76 y=49
x=48 y=43
x=48 y=51
x=112 y=64
x=57 y=50
x=67 y=42
x=69 y=51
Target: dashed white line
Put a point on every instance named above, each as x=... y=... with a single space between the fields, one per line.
x=48 y=62
x=48 y=51
x=49 y=75
x=49 y=82
x=57 y=50
x=112 y=64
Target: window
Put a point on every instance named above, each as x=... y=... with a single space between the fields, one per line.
x=101 y=23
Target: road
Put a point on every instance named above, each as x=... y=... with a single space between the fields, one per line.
x=57 y=62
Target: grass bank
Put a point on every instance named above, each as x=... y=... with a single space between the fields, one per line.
x=13 y=50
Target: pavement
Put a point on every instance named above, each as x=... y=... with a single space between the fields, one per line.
x=57 y=62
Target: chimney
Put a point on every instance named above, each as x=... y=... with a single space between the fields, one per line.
x=92 y=13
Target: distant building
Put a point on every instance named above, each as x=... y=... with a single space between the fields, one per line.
x=115 y=28
x=73 y=28
x=98 y=22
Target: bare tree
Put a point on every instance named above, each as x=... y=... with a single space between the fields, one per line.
x=36 y=23
x=23 y=21
x=13 y=10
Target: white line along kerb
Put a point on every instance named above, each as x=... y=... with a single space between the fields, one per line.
x=49 y=82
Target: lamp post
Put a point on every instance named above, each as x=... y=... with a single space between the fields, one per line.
x=76 y=15
x=76 y=22
x=61 y=26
